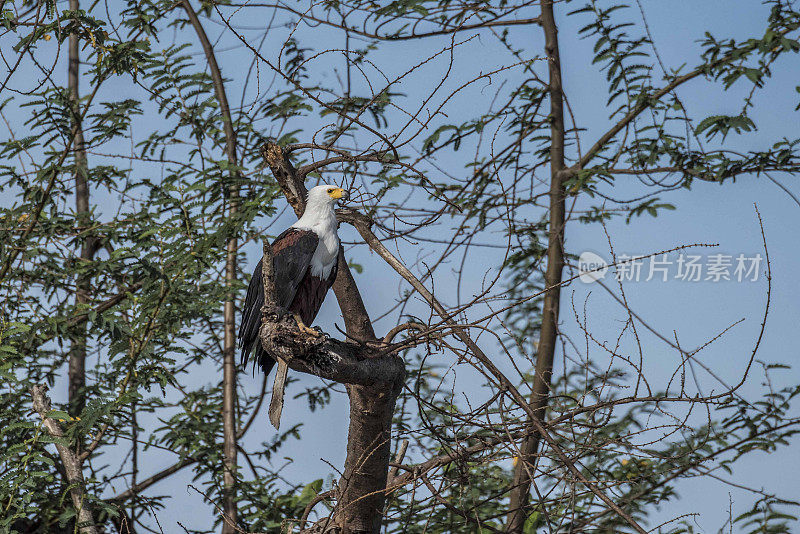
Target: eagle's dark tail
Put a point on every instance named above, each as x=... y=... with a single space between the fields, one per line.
x=251 y=324
x=261 y=358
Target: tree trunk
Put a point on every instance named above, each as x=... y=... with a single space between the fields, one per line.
x=366 y=467
x=361 y=488
x=77 y=352
x=518 y=499
x=229 y=448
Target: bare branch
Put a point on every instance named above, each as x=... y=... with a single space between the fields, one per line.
x=503 y=381
x=72 y=466
x=149 y=481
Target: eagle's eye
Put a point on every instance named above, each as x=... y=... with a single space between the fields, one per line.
x=330 y=190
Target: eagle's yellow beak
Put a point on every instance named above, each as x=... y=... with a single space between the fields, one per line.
x=337 y=192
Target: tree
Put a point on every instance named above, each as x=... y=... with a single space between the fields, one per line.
x=461 y=418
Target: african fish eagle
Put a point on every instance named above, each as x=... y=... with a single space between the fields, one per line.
x=305 y=260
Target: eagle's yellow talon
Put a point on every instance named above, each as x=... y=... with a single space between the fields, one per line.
x=303 y=328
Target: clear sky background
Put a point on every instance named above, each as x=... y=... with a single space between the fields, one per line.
x=708 y=213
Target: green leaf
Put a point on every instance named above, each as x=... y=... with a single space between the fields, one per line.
x=310 y=491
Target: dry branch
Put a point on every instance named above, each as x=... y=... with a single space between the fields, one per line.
x=72 y=466
x=502 y=381
x=341 y=361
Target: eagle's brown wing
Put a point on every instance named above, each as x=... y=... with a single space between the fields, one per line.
x=311 y=294
x=292 y=252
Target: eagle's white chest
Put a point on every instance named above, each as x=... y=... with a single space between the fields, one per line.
x=327 y=251
x=326 y=255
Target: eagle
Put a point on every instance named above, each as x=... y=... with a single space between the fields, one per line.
x=305 y=262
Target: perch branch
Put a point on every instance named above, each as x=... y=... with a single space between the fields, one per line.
x=269 y=312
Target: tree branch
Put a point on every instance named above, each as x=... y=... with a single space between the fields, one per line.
x=341 y=361
x=306 y=15
x=503 y=382
x=644 y=102
x=548 y=332
x=72 y=466
x=133 y=491
x=76 y=368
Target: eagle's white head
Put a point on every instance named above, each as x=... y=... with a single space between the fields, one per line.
x=325 y=195
x=319 y=215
